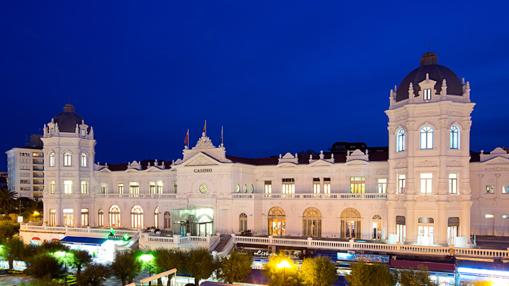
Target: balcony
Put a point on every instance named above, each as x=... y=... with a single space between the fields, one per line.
x=140 y=196
x=406 y=249
x=313 y=196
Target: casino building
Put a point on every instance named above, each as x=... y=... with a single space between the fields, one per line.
x=426 y=187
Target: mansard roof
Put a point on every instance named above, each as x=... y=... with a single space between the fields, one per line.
x=375 y=154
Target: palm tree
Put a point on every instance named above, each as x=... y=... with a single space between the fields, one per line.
x=7 y=200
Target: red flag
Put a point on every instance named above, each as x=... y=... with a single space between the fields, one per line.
x=186 y=139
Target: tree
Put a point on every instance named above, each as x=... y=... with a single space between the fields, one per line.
x=370 y=274
x=281 y=271
x=52 y=246
x=318 y=271
x=81 y=258
x=236 y=267
x=7 y=199
x=125 y=267
x=8 y=229
x=45 y=266
x=415 y=278
x=167 y=259
x=93 y=275
x=14 y=250
x=200 y=264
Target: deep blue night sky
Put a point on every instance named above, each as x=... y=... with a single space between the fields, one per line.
x=279 y=75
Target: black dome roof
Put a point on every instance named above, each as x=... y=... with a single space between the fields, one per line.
x=429 y=65
x=68 y=119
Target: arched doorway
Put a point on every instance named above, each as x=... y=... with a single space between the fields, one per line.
x=377 y=227
x=205 y=223
x=312 y=223
x=167 y=220
x=350 y=223
x=242 y=222
x=156 y=217
x=137 y=217
x=276 y=222
x=114 y=216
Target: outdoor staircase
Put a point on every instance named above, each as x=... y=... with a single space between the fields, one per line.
x=224 y=246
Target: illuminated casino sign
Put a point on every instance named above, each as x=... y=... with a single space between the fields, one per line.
x=203 y=170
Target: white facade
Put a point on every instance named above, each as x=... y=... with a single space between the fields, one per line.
x=425 y=188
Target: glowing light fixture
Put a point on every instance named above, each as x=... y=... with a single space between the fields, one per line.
x=284 y=264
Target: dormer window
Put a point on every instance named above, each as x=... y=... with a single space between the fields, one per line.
x=426 y=94
x=83 y=132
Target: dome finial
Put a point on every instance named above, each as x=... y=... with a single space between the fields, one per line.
x=429 y=58
x=68 y=108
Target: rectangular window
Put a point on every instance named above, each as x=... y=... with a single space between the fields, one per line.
x=357 y=185
x=68 y=217
x=134 y=189
x=84 y=187
x=52 y=217
x=427 y=94
x=152 y=188
x=382 y=185
x=267 y=187
x=490 y=189
x=67 y=187
x=159 y=187
x=288 y=186
x=84 y=217
x=401 y=184
x=316 y=185
x=426 y=183
x=453 y=183
x=103 y=189
x=52 y=187
x=120 y=189
x=326 y=185
x=505 y=189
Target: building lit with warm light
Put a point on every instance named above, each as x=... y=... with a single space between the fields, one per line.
x=426 y=187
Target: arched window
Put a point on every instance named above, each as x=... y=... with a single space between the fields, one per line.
x=156 y=217
x=426 y=137
x=277 y=222
x=167 y=220
x=400 y=140
x=67 y=159
x=83 y=160
x=350 y=223
x=454 y=137
x=52 y=159
x=242 y=222
x=312 y=223
x=100 y=218
x=114 y=216
x=137 y=217
x=377 y=227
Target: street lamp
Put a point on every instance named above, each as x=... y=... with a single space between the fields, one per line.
x=284 y=264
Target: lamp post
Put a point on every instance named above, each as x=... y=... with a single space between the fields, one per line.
x=284 y=264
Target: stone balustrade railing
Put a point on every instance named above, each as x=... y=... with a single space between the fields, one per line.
x=375 y=247
x=313 y=196
x=149 y=241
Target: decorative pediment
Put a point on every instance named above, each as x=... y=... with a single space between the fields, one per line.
x=321 y=161
x=288 y=158
x=357 y=154
x=495 y=153
x=201 y=159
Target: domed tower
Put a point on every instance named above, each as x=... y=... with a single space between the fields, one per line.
x=69 y=168
x=429 y=142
